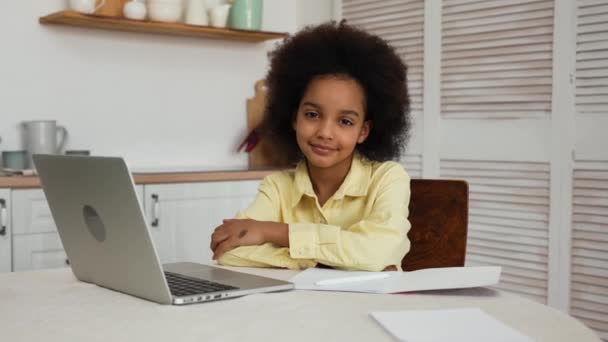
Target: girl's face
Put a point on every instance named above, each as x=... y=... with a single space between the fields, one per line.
x=330 y=121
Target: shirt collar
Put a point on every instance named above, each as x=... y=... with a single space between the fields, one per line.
x=355 y=184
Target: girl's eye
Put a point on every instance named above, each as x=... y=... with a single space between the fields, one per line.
x=311 y=114
x=346 y=122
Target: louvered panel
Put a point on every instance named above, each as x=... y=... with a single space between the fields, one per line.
x=496 y=58
x=509 y=251
x=494 y=165
x=519 y=281
x=413 y=164
x=509 y=214
x=467 y=6
x=506 y=236
x=532 y=228
x=476 y=197
x=401 y=23
x=508 y=220
x=589 y=280
x=521 y=273
x=592 y=57
x=511 y=190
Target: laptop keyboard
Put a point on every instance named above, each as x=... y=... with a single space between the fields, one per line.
x=181 y=285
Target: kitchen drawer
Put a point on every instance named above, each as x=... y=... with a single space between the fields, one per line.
x=31 y=213
x=38 y=251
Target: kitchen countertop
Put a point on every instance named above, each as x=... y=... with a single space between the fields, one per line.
x=157 y=177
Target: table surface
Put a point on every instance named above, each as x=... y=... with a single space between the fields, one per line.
x=52 y=305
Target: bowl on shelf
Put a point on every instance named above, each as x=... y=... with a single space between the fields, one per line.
x=168 y=11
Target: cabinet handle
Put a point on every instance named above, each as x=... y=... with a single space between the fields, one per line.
x=155 y=210
x=3 y=217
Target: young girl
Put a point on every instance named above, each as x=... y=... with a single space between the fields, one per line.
x=338 y=104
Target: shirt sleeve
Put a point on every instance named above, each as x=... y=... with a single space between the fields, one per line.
x=377 y=241
x=265 y=207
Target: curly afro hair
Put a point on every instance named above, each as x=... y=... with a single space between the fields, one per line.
x=341 y=50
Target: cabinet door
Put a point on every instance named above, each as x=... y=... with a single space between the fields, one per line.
x=5 y=230
x=38 y=251
x=183 y=216
x=36 y=243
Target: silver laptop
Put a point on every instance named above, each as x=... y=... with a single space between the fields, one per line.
x=106 y=238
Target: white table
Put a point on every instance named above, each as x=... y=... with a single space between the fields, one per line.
x=53 y=306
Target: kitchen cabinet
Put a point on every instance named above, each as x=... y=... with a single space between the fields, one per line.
x=183 y=216
x=5 y=230
x=36 y=243
x=32 y=241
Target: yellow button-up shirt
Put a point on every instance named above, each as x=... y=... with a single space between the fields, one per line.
x=363 y=226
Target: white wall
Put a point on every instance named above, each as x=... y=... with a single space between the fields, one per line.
x=156 y=100
x=311 y=12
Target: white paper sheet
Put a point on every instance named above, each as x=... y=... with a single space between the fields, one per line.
x=421 y=280
x=454 y=325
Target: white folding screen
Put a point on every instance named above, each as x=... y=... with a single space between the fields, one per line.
x=508 y=221
x=589 y=289
x=522 y=122
x=496 y=72
x=401 y=23
x=589 y=263
x=592 y=57
x=496 y=58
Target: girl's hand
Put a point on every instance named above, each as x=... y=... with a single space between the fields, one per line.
x=235 y=233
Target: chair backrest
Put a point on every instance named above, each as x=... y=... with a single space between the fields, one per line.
x=438 y=212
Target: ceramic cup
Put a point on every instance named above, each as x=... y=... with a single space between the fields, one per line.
x=168 y=11
x=196 y=13
x=86 y=6
x=218 y=15
x=134 y=10
x=16 y=160
x=246 y=14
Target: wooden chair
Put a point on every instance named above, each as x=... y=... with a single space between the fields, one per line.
x=439 y=217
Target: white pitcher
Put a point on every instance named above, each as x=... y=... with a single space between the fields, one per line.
x=43 y=137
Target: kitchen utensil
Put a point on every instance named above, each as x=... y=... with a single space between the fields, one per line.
x=218 y=15
x=196 y=13
x=44 y=137
x=111 y=8
x=168 y=11
x=14 y=160
x=246 y=14
x=135 y=10
x=86 y=6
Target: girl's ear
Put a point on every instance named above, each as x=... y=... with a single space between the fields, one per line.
x=365 y=129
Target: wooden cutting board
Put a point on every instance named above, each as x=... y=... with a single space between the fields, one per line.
x=111 y=8
x=263 y=154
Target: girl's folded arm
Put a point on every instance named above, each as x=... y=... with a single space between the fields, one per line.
x=372 y=244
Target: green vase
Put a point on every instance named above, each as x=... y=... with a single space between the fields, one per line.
x=246 y=14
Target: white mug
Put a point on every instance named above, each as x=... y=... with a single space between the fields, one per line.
x=218 y=15
x=196 y=13
x=86 y=6
x=43 y=137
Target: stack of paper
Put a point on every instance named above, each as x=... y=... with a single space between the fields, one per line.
x=394 y=282
x=454 y=325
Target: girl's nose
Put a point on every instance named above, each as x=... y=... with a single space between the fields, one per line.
x=325 y=130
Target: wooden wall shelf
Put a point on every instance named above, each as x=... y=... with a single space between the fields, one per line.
x=71 y=18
